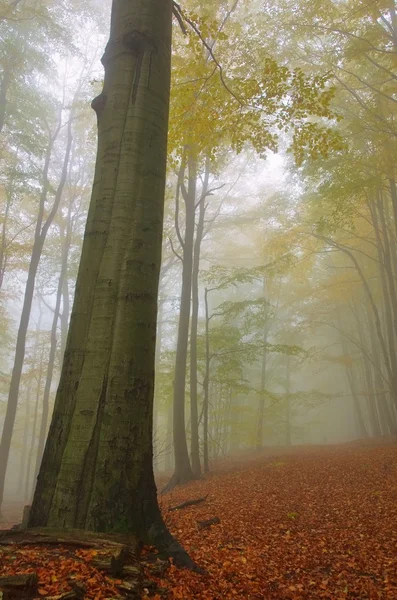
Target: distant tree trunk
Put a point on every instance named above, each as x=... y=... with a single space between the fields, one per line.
x=206 y=384
x=367 y=375
x=169 y=464
x=159 y=337
x=66 y=234
x=262 y=396
x=183 y=471
x=194 y=424
x=25 y=470
x=65 y=247
x=4 y=86
x=390 y=358
x=288 y=401
x=386 y=413
x=3 y=239
x=22 y=469
x=97 y=468
x=29 y=478
x=393 y=195
x=41 y=230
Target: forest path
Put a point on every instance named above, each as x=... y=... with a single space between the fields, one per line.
x=311 y=523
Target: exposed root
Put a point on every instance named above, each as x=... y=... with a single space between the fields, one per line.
x=169 y=547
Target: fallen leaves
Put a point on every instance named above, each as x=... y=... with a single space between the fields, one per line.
x=309 y=525
x=55 y=567
x=319 y=524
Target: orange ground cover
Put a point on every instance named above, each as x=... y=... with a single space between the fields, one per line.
x=318 y=523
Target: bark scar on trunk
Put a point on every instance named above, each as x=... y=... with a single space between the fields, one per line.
x=139 y=43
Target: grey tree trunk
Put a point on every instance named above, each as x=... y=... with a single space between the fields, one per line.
x=183 y=470
x=97 y=471
x=206 y=385
x=288 y=401
x=53 y=338
x=4 y=86
x=51 y=358
x=39 y=389
x=261 y=407
x=194 y=417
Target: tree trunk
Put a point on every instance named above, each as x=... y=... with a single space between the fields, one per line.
x=25 y=473
x=206 y=384
x=380 y=382
x=53 y=338
x=156 y=407
x=367 y=376
x=288 y=401
x=183 y=471
x=28 y=485
x=41 y=230
x=66 y=241
x=4 y=85
x=22 y=469
x=3 y=257
x=391 y=358
x=194 y=425
x=64 y=316
x=97 y=471
x=261 y=407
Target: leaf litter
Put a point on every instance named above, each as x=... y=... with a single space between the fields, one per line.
x=313 y=524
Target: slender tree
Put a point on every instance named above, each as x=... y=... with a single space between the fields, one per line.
x=43 y=223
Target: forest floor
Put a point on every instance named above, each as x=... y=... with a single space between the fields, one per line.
x=311 y=523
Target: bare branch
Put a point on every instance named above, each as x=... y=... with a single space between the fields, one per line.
x=174 y=251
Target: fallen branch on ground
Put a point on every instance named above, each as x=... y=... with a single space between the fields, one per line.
x=188 y=503
x=208 y=523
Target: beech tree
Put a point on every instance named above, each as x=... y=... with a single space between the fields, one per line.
x=97 y=472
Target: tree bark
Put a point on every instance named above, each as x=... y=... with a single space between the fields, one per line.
x=97 y=471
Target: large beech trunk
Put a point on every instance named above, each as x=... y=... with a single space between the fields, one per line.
x=97 y=471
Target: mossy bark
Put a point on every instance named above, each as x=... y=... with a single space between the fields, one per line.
x=97 y=471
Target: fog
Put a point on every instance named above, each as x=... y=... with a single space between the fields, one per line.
x=277 y=304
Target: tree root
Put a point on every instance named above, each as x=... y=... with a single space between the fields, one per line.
x=169 y=547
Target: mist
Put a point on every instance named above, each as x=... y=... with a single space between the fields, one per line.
x=263 y=344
